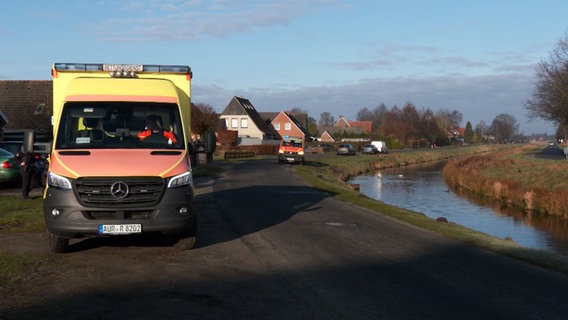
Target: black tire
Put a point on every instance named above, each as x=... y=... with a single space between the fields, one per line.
x=59 y=244
x=187 y=240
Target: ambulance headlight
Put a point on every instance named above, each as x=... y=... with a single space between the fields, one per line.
x=183 y=179
x=57 y=181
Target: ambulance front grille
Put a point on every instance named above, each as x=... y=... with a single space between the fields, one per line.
x=114 y=191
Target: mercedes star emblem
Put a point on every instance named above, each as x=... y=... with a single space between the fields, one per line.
x=119 y=190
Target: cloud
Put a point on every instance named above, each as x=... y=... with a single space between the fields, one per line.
x=189 y=20
x=415 y=60
x=479 y=98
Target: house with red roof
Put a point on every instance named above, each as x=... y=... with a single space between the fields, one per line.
x=351 y=127
x=287 y=125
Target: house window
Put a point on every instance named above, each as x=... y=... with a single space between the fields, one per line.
x=244 y=123
x=234 y=123
x=288 y=126
x=277 y=125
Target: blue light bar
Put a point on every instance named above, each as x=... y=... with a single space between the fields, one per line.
x=168 y=69
x=78 y=67
x=121 y=67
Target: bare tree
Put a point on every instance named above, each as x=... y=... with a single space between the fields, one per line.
x=550 y=97
x=297 y=110
x=504 y=126
x=326 y=119
x=410 y=126
x=392 y=123
x=468 y=134
x=313 y=127
x=430 y=129
x=449 y=120
x=376 y=116
x=203 y=118
x=364 y=115
x=562 y=132
x=481 y=130
x=379 y=115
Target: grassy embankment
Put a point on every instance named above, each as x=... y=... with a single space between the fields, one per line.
x=16 y=216
x=516 y=178
x=330 y=173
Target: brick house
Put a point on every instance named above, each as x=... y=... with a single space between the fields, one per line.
x=326 y=137
x=349 y=127
x=366 y=125
x=287 y=125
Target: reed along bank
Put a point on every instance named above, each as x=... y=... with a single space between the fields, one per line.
x=516 y=178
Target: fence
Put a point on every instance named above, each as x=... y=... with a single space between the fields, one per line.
x=237 y=154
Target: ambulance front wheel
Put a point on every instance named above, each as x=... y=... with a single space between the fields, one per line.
x=59 y=244
x=186 y=241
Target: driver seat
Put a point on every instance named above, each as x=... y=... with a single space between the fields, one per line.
x=91 y=131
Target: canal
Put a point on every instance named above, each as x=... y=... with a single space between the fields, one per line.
x=422 y=188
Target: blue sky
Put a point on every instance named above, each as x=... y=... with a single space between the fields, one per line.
x=477 y=57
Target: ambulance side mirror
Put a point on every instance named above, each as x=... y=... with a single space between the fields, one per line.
x=210 y=142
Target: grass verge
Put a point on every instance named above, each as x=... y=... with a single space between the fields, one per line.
x=19 y=216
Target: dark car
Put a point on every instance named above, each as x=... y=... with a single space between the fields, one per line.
x=345 y=150
x=11 y=146
x=370 y=149
x=41 y=163
x=9 y=168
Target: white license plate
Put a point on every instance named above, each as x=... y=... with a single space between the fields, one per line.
x=120 y=228
x=290 y=159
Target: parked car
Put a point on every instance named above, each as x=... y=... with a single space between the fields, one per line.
x=370 y=149
x=345 y=150
x=11 y=146
x=381 y=146
x=41 y=152
x=9 y=168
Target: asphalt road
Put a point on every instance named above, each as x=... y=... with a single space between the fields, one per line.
x=551 y=152
x=270 y=247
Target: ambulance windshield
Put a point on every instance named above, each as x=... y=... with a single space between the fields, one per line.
x=119 y=125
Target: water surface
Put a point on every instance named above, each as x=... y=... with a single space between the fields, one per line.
x=422 y=189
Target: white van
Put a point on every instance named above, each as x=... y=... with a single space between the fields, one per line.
x=381 y=146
